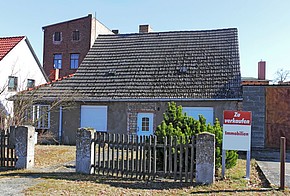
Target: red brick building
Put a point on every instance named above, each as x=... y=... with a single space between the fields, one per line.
x=67 y=43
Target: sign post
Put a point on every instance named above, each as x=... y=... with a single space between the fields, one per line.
x=237 y=135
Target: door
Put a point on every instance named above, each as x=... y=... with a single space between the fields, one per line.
x=145 y=124
x=207 y=112
x=94 y=117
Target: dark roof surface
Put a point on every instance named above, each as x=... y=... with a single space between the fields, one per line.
x=165 y=65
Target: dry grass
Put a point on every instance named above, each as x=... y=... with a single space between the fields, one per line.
x=60 y=183
x=50 y=155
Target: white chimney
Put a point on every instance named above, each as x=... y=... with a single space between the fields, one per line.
x=56 y=74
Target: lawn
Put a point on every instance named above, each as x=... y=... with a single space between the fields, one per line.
x=63 y=183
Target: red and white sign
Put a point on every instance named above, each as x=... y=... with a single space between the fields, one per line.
x=237 y=130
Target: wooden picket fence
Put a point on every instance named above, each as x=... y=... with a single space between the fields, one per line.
x=144 y=157
x=7 y=149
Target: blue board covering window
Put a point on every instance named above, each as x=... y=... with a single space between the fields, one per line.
x=57 y=61
x=74 y=61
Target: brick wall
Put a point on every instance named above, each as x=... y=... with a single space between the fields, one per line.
x=133 y=109
x=66 y=46
x=254 y=99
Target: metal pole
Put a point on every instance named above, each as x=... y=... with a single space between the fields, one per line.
x=248 y=170
x=223 y=163
x=282 y=162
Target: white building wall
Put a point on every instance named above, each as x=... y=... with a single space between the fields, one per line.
x=98 y=28
x=19 y=62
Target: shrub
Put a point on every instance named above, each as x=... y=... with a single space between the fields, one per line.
x=178 y=124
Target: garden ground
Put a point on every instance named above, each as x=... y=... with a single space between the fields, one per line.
x=54 y=175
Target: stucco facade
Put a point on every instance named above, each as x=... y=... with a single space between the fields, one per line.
x=122 y=116
x=21 y=63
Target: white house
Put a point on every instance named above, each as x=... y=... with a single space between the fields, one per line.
x=20 y=69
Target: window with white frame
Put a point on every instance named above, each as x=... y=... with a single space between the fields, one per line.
x=41 y=116
x=57 y=36
x=12 y=83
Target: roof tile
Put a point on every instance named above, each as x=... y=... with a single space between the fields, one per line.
x=147 y=66
x=7 y=44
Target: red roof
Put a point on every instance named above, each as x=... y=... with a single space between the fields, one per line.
x=7 y=44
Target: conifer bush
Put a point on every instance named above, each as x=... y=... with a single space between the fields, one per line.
x=178 y=124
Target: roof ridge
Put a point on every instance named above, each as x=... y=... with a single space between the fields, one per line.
x=172 y=31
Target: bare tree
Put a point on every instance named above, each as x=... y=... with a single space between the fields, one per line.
x=281 y=75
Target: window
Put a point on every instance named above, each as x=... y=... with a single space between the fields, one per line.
x=12 y=83
x=41 y=116
x=145 y=124
x=57 y=61
x=30 y=83
x=57 y=36
x=76 y=35
x=74 y=61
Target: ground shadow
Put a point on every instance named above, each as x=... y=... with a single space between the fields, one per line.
x=158 y=184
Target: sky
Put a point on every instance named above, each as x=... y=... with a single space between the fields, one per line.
x=263 y=25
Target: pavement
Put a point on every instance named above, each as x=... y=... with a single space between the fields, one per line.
x=269 y=163
x=16 y=185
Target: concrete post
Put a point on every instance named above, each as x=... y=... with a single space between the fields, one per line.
x=205 y=158
x=84 y=151
x=24 y=146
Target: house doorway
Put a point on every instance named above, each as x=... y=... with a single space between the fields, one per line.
x=144 y=124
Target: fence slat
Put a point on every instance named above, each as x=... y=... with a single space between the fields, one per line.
x=186 y=159
x=136 y=156
x=165 y=156
x=132 y=156
x=180 y=158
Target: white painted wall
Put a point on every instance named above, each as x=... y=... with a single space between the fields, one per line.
x=97 y=29
x=21 y=63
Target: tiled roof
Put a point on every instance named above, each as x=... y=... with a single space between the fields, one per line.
x=7 y=44
x=165 y=65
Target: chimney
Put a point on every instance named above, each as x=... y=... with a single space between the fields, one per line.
x=56 y=74
x=262 y=70
x=145 y=29
x=115 y=31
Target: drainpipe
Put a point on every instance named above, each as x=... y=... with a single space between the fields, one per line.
x=60 y=126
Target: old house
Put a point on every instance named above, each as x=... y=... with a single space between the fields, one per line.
x=20 y=70
x=126 y=80
x=67 y=43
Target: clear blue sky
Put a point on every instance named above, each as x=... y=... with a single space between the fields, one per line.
x=263 y=25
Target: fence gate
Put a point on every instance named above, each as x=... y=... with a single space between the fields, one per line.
x=7 y=149
x=139 y=156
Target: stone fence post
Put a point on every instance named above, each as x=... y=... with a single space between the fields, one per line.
x=85 y=151
x=205 y=158
x=24 y=146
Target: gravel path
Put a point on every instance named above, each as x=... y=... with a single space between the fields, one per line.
x=16 y=185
